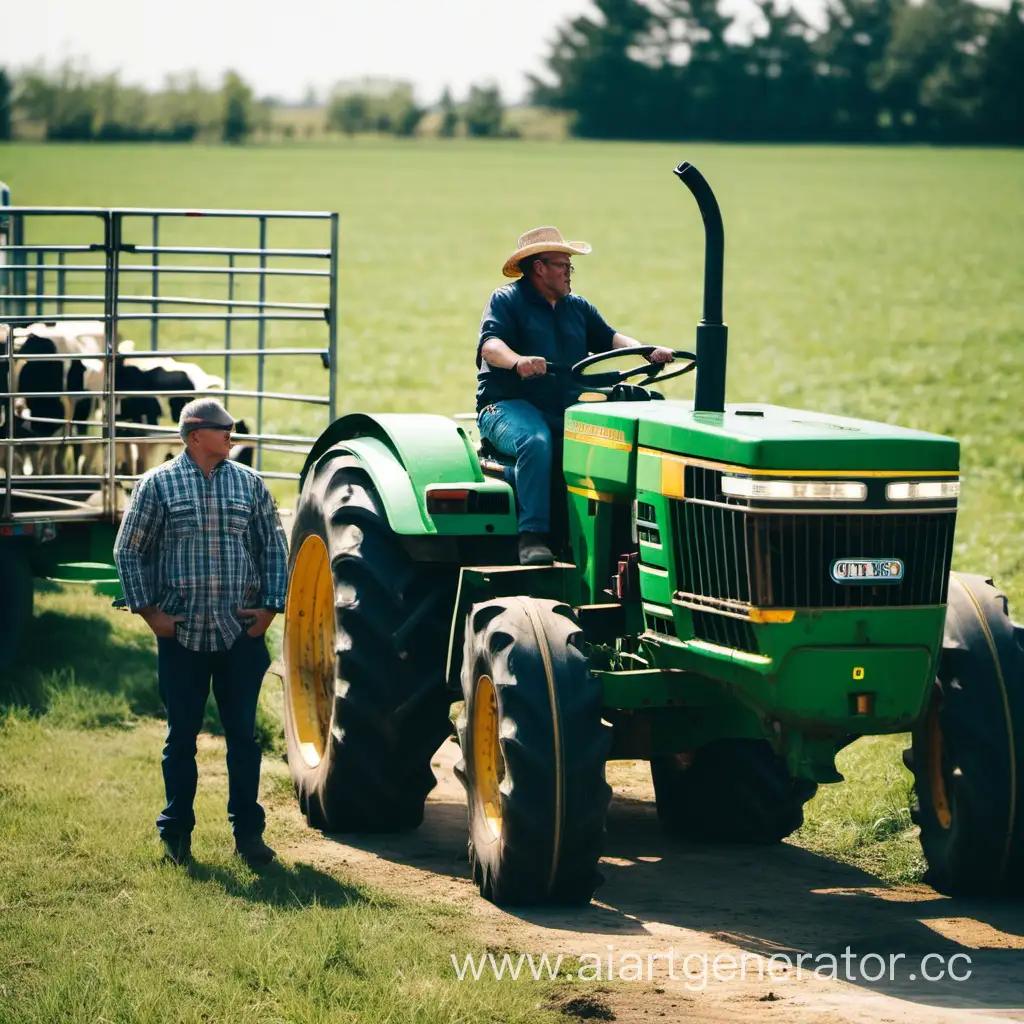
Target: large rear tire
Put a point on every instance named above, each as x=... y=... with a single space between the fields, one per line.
x=534 y=747
x=732 y=791
x=366 y=632
x=968 y=751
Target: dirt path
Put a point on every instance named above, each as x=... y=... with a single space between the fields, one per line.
x=698 y=903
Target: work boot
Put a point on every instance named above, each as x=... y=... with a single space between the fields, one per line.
x=253 y=850
x=177 y=849
x=534 y=550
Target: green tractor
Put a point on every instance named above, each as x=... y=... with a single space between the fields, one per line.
x=743 y=590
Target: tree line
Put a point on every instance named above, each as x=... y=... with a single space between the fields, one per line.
x=389 y=107
x=940 y=71
x=70 y=104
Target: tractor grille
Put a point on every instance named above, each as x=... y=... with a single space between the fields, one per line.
x=724 y=630
x=738 y=555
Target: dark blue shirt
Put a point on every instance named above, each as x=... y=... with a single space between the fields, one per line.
x=520 y=316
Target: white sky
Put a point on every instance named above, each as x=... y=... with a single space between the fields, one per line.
x=281 y=46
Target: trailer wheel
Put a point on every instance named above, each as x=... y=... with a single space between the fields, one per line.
x=366 y=631
x=16 y=596
x=534 y=747
x=968 y=751
x=732 y=791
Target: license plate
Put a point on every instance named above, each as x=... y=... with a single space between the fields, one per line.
x=867 y=570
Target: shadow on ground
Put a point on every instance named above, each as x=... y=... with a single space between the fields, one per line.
x=283 y=885
x=765 y=900
x=99 y=670
x=84 y=650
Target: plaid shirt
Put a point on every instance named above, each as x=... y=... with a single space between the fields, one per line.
x=202 y=548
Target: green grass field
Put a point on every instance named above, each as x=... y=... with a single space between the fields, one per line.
x=884 y=284
x=878 y=283
x=93 y=928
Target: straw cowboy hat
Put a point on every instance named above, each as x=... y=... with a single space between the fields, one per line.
x=541 y=240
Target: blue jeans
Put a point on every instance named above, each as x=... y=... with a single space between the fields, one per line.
x=534 y=437
x=184 y=677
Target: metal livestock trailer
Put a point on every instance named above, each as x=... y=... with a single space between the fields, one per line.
x=248 y=294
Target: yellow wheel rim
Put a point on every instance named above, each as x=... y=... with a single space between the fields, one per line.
x=936 y=779
x=488 y=762
x=309 y=645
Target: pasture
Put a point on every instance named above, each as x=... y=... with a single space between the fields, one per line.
x=883 y=284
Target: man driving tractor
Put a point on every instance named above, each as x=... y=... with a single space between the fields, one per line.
x=530 y=327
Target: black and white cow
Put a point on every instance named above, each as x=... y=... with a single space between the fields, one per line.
x=173 y=385
x=5 y=377
x=46 y=409
x=89 y=333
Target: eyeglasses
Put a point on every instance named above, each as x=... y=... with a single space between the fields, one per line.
x=563 y=264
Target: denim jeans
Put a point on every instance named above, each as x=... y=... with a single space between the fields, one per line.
x=534 y=437
x=184 y=677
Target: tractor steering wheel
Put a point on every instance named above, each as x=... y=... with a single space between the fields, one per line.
x=651 y=372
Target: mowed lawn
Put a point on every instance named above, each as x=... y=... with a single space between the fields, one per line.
x=884 y=284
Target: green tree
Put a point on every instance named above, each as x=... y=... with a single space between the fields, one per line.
x=184 y=107
x=63 y=101
x=783 y=93
x=1001 y=84
x=374 y=105
x=608 y=70
x=449 y=116
x=852 y=51
x=5 y=106
x=408 y=120
x=236 y=98
x=402 y=111
x=930 y=79
x=73 y=116
x=484 y=111
x=348 y=113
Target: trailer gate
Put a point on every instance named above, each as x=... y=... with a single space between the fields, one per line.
x=202 y=286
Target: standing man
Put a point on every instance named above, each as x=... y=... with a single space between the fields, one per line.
x=203 y=559
x=520 y=407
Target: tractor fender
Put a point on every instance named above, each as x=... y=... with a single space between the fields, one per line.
x=403 y=453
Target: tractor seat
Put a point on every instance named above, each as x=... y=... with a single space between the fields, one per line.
x=493 y=462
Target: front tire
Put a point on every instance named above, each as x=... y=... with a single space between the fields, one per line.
x=968 y=751
x=732 y=791
x=534 y=748
x=366 y=632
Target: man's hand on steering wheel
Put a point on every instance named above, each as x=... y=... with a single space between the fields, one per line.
x=654 y=370
x=531 y=366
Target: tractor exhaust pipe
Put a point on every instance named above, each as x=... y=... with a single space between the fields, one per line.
x=712 y=333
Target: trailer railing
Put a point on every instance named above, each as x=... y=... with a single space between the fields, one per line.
x=232 y=323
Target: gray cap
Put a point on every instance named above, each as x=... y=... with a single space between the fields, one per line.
x=204 y=412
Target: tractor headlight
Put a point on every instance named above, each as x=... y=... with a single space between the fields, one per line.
x=793 y=490
x=923 y=490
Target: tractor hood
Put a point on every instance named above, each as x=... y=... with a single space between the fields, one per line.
x=763 y=436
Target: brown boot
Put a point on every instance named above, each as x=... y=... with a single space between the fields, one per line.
x=534 y=550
